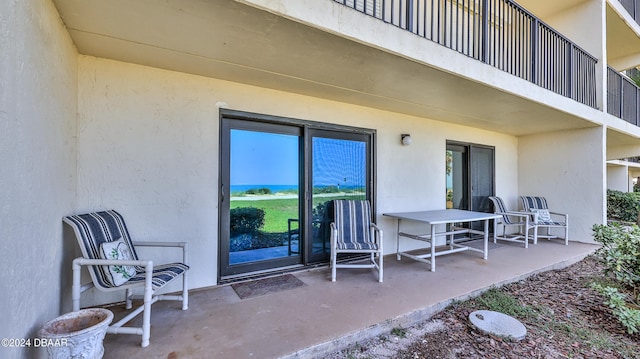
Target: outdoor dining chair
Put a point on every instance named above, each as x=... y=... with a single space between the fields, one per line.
x=512 y=219
x=542 y=218
x=352 y=231
x=113 y=264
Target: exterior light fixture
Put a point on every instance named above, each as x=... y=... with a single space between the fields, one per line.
x=406 y=139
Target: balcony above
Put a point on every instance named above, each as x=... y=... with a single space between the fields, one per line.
x=313 y=52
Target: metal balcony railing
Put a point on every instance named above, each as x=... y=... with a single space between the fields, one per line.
x=498 y=32
x=623 y=97
x=633 y=8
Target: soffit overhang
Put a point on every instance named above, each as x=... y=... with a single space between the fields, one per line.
x=227 y=40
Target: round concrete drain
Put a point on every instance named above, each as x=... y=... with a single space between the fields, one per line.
x=490 y=322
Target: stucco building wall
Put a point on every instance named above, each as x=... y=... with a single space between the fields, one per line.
x=148 y=147
x=38 y=92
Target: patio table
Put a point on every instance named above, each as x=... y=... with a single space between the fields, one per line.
x=443 y=217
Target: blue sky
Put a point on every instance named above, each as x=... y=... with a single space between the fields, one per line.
x=259 y=158
x=263 y=158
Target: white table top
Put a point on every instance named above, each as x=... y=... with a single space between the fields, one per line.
x=441 y=216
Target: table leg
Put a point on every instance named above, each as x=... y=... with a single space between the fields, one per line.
x=433 y=248
x=398 y=241
x=486 y=238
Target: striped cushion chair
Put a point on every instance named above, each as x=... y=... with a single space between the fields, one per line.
x=511 y=219
x=542 y=218
x=113 y=264
x=353 y=232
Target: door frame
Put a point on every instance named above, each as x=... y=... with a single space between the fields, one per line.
x=255 y=121
x=469 y=173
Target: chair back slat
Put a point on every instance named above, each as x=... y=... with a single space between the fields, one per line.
x=498 y=203
x=93 y=229
x=533 y=202
x=353 y=221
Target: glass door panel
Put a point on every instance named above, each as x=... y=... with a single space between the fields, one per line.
x=457 y=185
x=481 y=178
x=261 y=217
x=340 y=170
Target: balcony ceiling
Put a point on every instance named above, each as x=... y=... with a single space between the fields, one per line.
x=544 y=9
x=227 y=40
x=622 y=42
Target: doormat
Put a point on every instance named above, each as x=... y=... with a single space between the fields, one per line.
x=259 y=287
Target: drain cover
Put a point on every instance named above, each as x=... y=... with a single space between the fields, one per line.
x=496 y=323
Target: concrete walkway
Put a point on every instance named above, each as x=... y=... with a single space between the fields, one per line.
x=321 y=316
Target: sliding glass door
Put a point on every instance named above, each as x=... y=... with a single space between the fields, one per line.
x=277 y=183
x=470 y=176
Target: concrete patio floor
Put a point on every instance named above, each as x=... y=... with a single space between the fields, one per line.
x=321 y=316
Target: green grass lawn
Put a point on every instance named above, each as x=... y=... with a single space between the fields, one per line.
x=278 y=210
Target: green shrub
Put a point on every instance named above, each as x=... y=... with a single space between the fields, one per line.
x=623 y=206
x=326 y=189
x=629 y=317
x=620 y=254
x=246 y=220
x=264 y=190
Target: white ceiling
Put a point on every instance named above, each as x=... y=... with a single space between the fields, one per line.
x=231 y=41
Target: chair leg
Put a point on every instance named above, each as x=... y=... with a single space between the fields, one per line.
x=185 y=292
x=380 y=268
x=75 y=289
x=333 y=266
x=146 y=313
x=128 y=298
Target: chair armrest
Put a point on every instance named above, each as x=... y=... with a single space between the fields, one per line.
x=77 y=264
x=182 y=245
x=159 y=244
x=378 y=235
x=80 y=261
x=559 y=214
x=515 y=214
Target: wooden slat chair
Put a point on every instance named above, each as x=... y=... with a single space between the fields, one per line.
x=353 y=232
x=112 y=261
x=519 y=220
x=542 y=218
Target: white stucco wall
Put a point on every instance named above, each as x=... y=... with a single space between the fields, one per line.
x=37 y=179
x=148 y=147
x=618 y=178
x=568 y=168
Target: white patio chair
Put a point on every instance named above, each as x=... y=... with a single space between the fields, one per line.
x=542 y=218
x=516 y=219
x=353 y=232
x=113 y=264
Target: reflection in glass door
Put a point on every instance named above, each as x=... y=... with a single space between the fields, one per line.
x=263 y=212
x=340 y=170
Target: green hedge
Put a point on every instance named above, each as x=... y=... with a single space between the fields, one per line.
x=623 y=206
x=246 y=220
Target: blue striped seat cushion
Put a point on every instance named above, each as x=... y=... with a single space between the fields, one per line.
x=353 y=222
x=498 y=203
x=162 y=274
x=551 y=223
x=97 y=228
x=532 y=202
x=365 y=246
